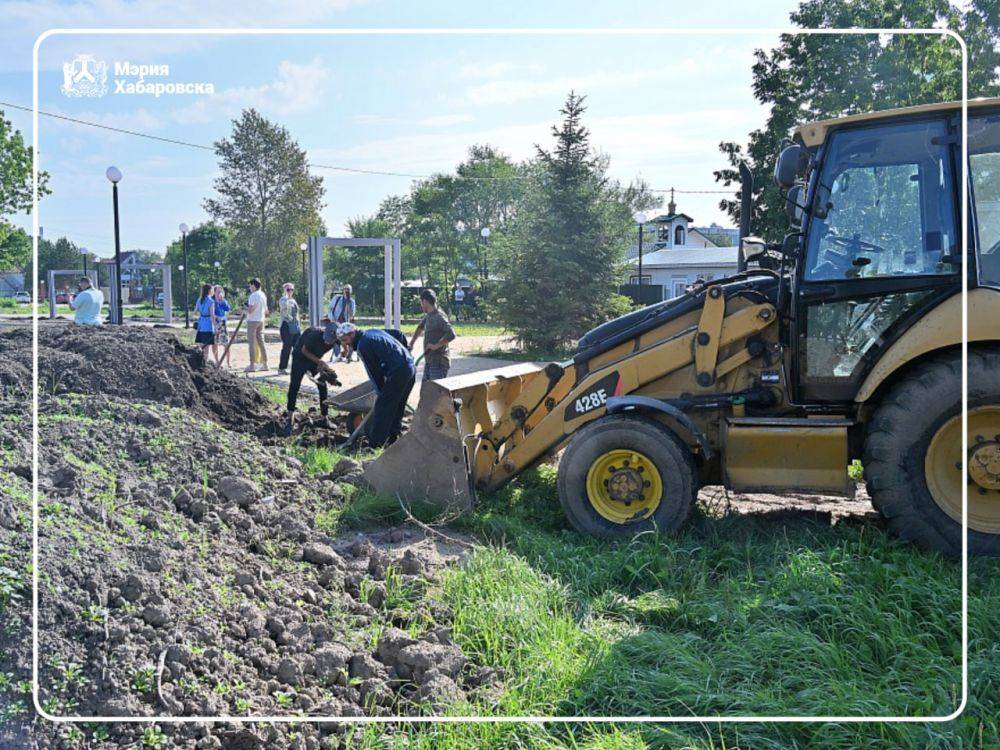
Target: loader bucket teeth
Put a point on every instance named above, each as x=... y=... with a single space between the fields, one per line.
x=432 y=462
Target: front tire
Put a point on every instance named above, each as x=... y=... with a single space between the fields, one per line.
x=622 y=475
x=912 y=454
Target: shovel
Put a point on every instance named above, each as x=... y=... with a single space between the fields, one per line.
x=233 y=337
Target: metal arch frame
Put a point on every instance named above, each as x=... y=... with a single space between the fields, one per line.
x=393 y=290
x=51 y=282
x=114 y=287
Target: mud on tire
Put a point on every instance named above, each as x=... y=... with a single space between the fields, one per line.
x=897 y=440
x=668 y=453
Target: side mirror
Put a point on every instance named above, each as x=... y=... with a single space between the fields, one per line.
x=752 y=248
x=793 y=162
x=794 y=204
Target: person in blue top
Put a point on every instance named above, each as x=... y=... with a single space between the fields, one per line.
x=390 y=368
x=204 y=336
x=222 y=309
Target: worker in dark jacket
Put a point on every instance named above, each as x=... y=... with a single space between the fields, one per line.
x=391 y=370
x=307 y=357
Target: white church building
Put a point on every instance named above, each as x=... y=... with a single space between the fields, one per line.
x=675 y=254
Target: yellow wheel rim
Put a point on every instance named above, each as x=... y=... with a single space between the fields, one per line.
x=944 y=474
x=624 y=486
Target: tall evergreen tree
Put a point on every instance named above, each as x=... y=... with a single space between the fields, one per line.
x=565 y=253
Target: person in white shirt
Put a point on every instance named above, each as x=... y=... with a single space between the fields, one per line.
x=256 y=312
x=87 y=303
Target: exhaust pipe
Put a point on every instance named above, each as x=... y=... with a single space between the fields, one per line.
x=746 y=206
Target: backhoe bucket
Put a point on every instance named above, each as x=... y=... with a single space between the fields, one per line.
x=433 y=462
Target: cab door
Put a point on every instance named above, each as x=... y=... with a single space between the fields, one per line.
x=881 y=248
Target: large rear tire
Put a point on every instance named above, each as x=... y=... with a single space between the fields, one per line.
x=912 y=454
x=622 y=475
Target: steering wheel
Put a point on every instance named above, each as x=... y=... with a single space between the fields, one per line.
x=853 y=243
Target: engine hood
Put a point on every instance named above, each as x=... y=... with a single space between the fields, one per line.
x=611 y=334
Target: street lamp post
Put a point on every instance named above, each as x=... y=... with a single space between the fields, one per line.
x=115 y=175
x=640 y=219
x=84 y=252
x=184 y=273
x=485 y=234
x=303 y=247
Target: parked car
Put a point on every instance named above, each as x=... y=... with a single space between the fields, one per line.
x=23 y=297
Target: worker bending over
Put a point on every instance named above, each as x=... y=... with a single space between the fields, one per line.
x=307 y=356
x=391 y=370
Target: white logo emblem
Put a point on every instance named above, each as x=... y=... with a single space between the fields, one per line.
x=85 y=76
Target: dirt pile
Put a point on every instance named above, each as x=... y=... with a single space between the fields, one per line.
x=137 y=363
x=192 y=569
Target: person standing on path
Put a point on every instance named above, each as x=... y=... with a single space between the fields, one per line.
x=342 y=310
x=438 y=333
x=391 y=370
x=222 y=309
x=291 y=329
x=459 y=301
x=204 y=336
x=256 y=311
x=87 y=304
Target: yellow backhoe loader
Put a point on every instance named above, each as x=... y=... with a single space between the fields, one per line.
x=840 y=342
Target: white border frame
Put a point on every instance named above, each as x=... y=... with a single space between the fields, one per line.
x=507 y=719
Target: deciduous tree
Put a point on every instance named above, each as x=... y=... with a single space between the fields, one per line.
x=812 y=77
x=267 y=198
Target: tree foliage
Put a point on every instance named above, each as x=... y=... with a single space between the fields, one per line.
x=15 y=249
x=814 y=77
x=564 y=255
x=15 y=192
x=268 y=200
x=207 y=244
x=61 y=255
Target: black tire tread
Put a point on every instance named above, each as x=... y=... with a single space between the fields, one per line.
x=583 y=521
x=895 y=486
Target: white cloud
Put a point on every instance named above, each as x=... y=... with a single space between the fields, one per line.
x=444 y=121
x=496 y=69
x=24 y=20
x=297 y=89
x=434 y=121
x=678 y=149
x=511 y=90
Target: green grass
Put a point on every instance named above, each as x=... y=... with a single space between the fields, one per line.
x=319 y=460
x=465 y=329
x=749 y=616
x=274 y=393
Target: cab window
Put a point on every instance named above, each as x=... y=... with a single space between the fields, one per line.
x=883 y=205
x=984 y=169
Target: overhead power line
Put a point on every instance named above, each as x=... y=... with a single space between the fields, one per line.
x=336 y=168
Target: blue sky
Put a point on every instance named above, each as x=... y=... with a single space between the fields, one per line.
x=658 y=106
